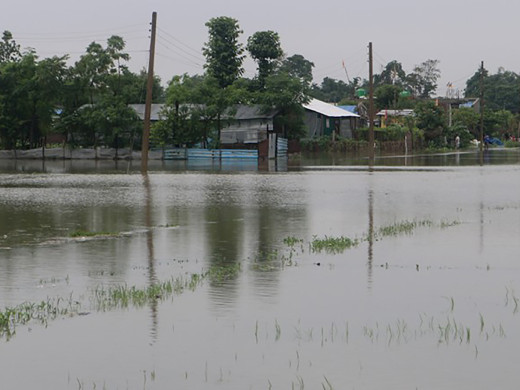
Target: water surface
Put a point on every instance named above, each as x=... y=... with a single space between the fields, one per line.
x=428 y=308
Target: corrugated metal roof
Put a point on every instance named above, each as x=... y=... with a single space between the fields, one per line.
x=154 y=113
x=349 y=108
x=328 y=109
x=243 y=112
x=403 y=112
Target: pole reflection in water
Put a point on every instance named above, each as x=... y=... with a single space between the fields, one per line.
x=152 y=277
x=370 y=236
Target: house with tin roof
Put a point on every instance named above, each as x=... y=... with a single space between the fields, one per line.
x=247 y=125
x=322 y=118
x=155 y=111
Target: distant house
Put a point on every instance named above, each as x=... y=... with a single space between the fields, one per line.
x=473 y=103
x=387 y=117
x=326 y=119
x=155 y=114
x=247 y=125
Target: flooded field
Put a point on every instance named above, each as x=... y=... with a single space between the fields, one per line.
x=316 y=274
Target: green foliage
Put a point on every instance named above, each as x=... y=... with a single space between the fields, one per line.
x=30 y=90
x=9 y=49
x=123 y=296
x=467 y=118
x=299 y=67
x=86 y=233
x=196 y=107
x=333 y=91
x=292 y=241
x=423 y=79
x=393 y=74
x=511 y=144
x=264 y=47
x=223 y=52
x=462 y=132
x=393 y=132
x=500 y=89
x=402 y=227
x=42 y=312
x=285 y=94
x=223 y=271
x=325 y=144
x=500 y=123
x=387 y=96
x=332 y=244
x=430 y=119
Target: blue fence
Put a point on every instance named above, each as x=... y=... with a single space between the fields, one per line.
x=219 y=154
x=282 y=147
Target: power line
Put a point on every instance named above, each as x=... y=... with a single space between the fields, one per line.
x=76 y=34
x=189 y=61
x=196 y=51
x=198 y=57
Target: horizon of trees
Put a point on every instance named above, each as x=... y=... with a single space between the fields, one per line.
x=88 y=101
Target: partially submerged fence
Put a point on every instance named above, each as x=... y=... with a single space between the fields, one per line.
x=219 y=154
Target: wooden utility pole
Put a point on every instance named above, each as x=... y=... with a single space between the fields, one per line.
x=371 y=140
x=148 y=103
x=481 y=101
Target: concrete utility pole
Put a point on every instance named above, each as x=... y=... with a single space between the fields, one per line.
x=148 y=103
x=371 y=140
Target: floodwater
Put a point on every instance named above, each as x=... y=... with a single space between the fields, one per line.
x=427 y=299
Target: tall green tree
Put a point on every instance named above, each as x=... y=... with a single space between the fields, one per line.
x=195 y=106
x=387 y=96
x=223 y=52
x=101 y=80
x=264 y=47
x=9 y=49
x=298 y=66
x=286 y=95
x=30 y=91
x=333 y=91
x=467 y=118
x=430 y=118
x=392 y=74
x=501 y=90
x=423 y=79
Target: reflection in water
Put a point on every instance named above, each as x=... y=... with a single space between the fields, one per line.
x=224 y=235
x=481 y=241
x=370 y=236
x=152 y=277
x=250 y=213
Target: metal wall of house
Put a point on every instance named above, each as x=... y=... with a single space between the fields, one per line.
x=318 y=125
x=314 y=124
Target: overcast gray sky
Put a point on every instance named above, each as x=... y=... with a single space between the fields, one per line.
x=460 y=34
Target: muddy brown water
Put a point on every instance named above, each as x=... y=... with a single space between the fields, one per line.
x=428 y=299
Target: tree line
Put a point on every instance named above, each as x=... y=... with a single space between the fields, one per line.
x=88 y=103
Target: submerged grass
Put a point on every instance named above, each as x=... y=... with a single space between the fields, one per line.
x=109 y=298
x=86 y=233
x=40 y=312
x=403 y=227
x=332 y=244
x=337 y=245
x=123 y=296
x=221 y=272
x=292 y=241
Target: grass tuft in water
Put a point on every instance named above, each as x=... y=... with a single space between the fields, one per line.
x=332 y=244
x=221 y=272
x=403 y=227
x=41 y=312
x=123 y=296
x=85 y=233
x=292 y=241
